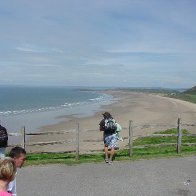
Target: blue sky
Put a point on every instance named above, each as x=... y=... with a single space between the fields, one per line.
x=126 y=43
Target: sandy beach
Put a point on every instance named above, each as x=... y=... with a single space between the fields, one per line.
x=141 y=108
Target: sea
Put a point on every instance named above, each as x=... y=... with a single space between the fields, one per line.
x=34 y=107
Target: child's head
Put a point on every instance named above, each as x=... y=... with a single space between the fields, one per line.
x=7 y=169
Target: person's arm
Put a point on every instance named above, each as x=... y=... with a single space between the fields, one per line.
x=101 y=125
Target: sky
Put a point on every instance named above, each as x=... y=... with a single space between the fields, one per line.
x=109 y=43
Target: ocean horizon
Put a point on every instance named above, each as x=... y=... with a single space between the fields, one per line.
x=34 y=107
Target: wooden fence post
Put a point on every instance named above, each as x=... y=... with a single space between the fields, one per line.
x=130 y=138
x=23 y=137
x=179 y=137
x=77 y=142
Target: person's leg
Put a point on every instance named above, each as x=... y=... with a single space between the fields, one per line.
x=112 y=152
x=106 y=152
x=113 y=145
x=106 y=147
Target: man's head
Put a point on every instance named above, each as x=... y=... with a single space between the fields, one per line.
x=18 y=154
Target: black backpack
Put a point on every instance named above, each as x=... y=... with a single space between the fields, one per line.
x=3 y=137
x=110 y=125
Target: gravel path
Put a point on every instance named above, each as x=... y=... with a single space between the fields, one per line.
x=156 y=177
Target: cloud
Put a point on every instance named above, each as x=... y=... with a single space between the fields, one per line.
x=138 y=42
x=37 y=49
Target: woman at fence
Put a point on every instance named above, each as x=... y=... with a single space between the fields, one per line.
x=108 y=126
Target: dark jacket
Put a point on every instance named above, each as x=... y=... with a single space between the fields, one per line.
x=3 y=137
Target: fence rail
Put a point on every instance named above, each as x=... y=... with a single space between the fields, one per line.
x=130 y=137
x=50 y=142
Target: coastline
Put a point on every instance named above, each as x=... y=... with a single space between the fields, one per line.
x=141 y=108
x=41 y=114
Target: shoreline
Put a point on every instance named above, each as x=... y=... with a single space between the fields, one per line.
x=33 y=121
x=141 y=108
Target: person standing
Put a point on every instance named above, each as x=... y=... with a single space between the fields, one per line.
x=7 y=174
x=118 y=132
x=18 y=154
x=108 y=126
x=3 y=141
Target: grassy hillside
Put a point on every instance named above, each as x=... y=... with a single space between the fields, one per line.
x=188 y=95
x=191 y=91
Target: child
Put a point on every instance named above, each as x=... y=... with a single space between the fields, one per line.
x=118 y=130
x=7 y=174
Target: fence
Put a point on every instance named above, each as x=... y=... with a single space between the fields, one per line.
x=130 y=137
x=179 y=135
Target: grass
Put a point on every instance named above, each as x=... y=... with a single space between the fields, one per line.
x=138 y=153
x=184 y=96
x=159 y=140
x=62 y=158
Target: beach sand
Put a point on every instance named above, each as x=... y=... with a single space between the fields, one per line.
x=141 y=108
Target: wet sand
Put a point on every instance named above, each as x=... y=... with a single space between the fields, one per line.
x=141 y=108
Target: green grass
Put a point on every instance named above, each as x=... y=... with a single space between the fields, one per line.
x=184 y=96
x=62 y=158
x=138 y=153
x=159 y=140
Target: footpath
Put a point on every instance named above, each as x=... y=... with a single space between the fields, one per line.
x=155 y=177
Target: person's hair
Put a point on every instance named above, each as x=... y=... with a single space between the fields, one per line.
x=16 y=151
x=7 y=169
x=107 y=115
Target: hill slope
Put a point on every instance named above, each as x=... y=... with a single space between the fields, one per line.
x=191 y=91
x=188 y=95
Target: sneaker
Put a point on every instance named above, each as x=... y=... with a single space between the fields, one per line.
x=110 y=162
x=106 y=160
